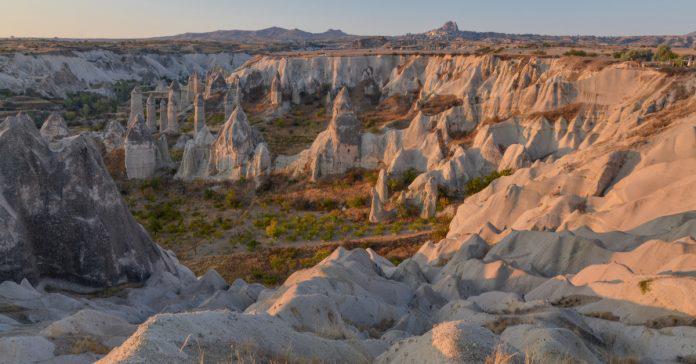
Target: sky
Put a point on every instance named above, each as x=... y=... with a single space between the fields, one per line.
x=149 y=18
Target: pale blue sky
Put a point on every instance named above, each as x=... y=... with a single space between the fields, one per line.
x=145 y=18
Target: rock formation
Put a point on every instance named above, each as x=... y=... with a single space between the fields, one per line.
x=172 y=112
x=163 y=116
x=194 y=86
x=585 y=252
x=140 y=150
x=239 y=152
x=380 y=196
x=198 y=114
x=54 y=128
x=136 y=104
x=215 y=84
x=151 y=113
x=276 y=93
x=233 y=99
x=381 y=186
x=196 y=157
x=73 y=226
x=336 y=149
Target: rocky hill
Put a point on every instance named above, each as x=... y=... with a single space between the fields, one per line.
x=273 y=34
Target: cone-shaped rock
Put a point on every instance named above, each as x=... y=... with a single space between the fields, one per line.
x=54 y=128
x=73 y=226
x=151 y=108
x=164 y=116
x=199 y=113
x=234 y=148
x=381 y=186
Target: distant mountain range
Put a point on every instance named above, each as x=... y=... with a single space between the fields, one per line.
x=273 y=34
x=448 y=32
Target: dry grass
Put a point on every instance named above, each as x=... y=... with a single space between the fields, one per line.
x=499 y=356
x=440 y=103
x=88 y=345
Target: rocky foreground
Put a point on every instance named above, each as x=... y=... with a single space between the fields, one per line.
x=585 y=253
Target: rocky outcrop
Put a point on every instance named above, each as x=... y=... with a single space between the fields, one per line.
x=71 y=223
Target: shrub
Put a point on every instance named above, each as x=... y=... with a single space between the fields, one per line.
x=208 y=194
x=478 y=184
x=402 y=181
x=231 y=200
x=86 y=104
x=645 y=286
x=664 y=54
x=575 y=53
x=644 y=55
x=319 y=255
x=273 y=230
x=357 y=202
x=251 y=245
x=407 y=210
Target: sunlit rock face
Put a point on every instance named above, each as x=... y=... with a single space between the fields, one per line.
x=62 y=215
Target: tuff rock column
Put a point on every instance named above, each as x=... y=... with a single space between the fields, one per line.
x=151 y=113
x=199 y=114
x=163 y=121
x=140 y=150
x=136 y=105
x=172 y=112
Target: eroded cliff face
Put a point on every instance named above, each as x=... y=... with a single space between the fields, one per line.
x=472 y=114
x=56 y=75
x=585 y=251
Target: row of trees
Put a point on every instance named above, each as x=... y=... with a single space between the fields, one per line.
x=663 y=53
